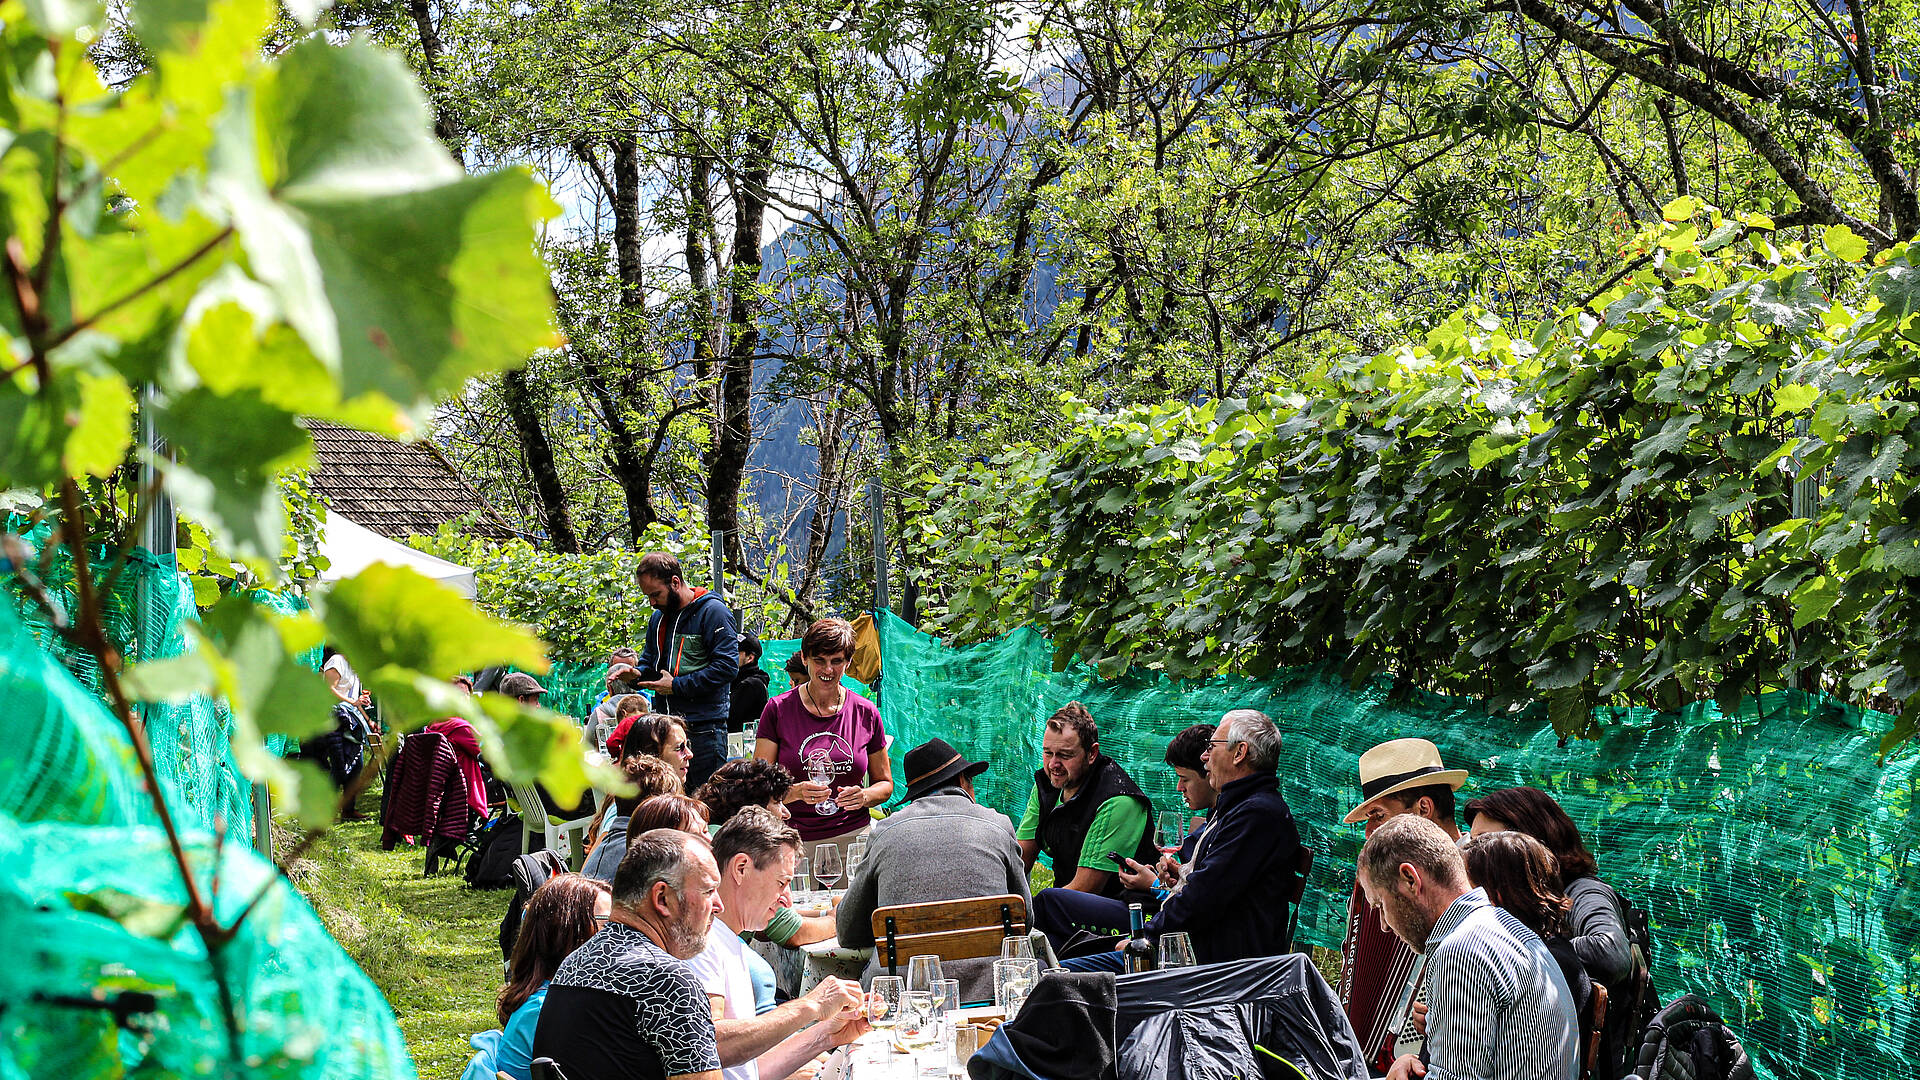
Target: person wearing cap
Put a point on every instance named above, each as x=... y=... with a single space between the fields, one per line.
x=522 y=688
x=1404 y=776
x=941 y=846
x=749 y=698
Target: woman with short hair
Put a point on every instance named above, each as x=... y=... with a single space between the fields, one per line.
x=831 y=740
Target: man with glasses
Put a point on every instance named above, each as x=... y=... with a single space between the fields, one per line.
x=1232 y=900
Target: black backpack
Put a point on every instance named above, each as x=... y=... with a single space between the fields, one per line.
x=529 y=872
x=1687 y=1040
x=1632 y=1002
x=491 y=865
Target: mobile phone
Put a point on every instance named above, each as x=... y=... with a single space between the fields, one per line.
x=1117 y=859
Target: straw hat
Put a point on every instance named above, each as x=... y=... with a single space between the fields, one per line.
x=1397 y=766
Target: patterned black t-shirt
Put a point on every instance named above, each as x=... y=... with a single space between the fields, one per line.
x=621 y=1008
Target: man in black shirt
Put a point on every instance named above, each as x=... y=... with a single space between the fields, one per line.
x=625 y=1006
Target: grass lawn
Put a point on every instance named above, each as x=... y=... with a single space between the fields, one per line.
x=430 y=944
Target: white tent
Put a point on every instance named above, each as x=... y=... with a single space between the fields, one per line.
x=351 y=549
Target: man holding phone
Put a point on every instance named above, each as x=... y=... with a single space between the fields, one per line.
x=689 y=659
x=1083 y=807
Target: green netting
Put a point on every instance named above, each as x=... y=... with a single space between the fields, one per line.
x=89 y=895
x=1780 y=861
x=573 y=688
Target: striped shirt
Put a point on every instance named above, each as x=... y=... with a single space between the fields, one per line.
x=1499 y=1007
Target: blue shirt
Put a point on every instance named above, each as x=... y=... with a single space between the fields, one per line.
x=760 y=974
x=516 y=1045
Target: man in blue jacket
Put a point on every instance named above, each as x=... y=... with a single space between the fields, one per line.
x=692 y=652
x=1232 y=901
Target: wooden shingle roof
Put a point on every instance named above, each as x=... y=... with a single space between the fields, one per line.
x=395 y=489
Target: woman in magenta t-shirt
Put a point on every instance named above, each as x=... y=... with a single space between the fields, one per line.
x=830 y=739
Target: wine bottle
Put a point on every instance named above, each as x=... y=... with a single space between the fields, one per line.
x=1139 y=951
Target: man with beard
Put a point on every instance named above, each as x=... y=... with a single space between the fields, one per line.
x=1499 y=1009
x=689 y=659
x=625 y=1006
x=1083 y=806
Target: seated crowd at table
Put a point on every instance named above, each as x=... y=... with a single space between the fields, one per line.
x=1469 y=956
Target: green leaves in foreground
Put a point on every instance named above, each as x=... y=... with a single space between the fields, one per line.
x=259 y=239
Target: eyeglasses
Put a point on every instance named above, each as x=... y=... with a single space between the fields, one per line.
x=1223 y=742
x=602 y=920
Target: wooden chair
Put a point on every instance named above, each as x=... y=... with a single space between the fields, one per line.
x=1593 y=1035
x=1297 y=892
x=949 y=929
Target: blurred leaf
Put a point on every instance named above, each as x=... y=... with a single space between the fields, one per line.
x=392 y=616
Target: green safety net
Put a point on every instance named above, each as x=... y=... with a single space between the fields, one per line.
x=1778 y=857
x=90 y=896
x=573 y=689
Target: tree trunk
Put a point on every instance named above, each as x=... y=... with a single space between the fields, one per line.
x=610 y=381
x=733 y=420
x=699 y=226
x=444 y=127
x=538 y=452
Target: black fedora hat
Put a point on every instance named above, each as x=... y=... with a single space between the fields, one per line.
x=933 y=765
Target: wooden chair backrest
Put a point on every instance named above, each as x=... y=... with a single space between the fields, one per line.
x=949 y=929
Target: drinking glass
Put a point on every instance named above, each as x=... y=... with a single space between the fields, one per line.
x=922 y=972
x=1167 y=833
x=819 y=773
x=1016 y=947
x=946 y=998
x=857 y=849
x=749 y=733
x=826 y=865
x=1176 y=950
x=1013 y=980
x=885 y=999
x=854 y=859
x=919 y=1025
x=802 y=878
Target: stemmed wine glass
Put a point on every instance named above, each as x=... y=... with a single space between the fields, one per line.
x=820 y=772
x=923 y=972
x=885 y=999
x=1168 y=834
x=1016 y=947
x=826 y=866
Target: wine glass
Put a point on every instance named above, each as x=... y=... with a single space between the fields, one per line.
x=826 y=866
x=820 y=772
x=853 y=864
x=919 y=1025
x=946 y=997
x=1176 y=950
x=1168 y=833
x=857 y=849
x=1013 y=980
x=885 y=999
x=1016 y=947
x=922 y=972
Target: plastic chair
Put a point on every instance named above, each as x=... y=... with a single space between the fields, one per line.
x=534 y=815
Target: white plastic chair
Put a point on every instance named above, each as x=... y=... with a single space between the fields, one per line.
x=534 y=815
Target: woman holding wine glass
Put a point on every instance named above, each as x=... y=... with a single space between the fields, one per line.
x=832 y=740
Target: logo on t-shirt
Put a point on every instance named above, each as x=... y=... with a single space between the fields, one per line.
x=825 y=755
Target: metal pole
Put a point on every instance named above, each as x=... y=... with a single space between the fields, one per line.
x=718 y=564
x=879 y=513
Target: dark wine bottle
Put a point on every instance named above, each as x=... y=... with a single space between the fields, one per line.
x=1138 y=951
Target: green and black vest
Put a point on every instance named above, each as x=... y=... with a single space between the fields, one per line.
x=1063 y=826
